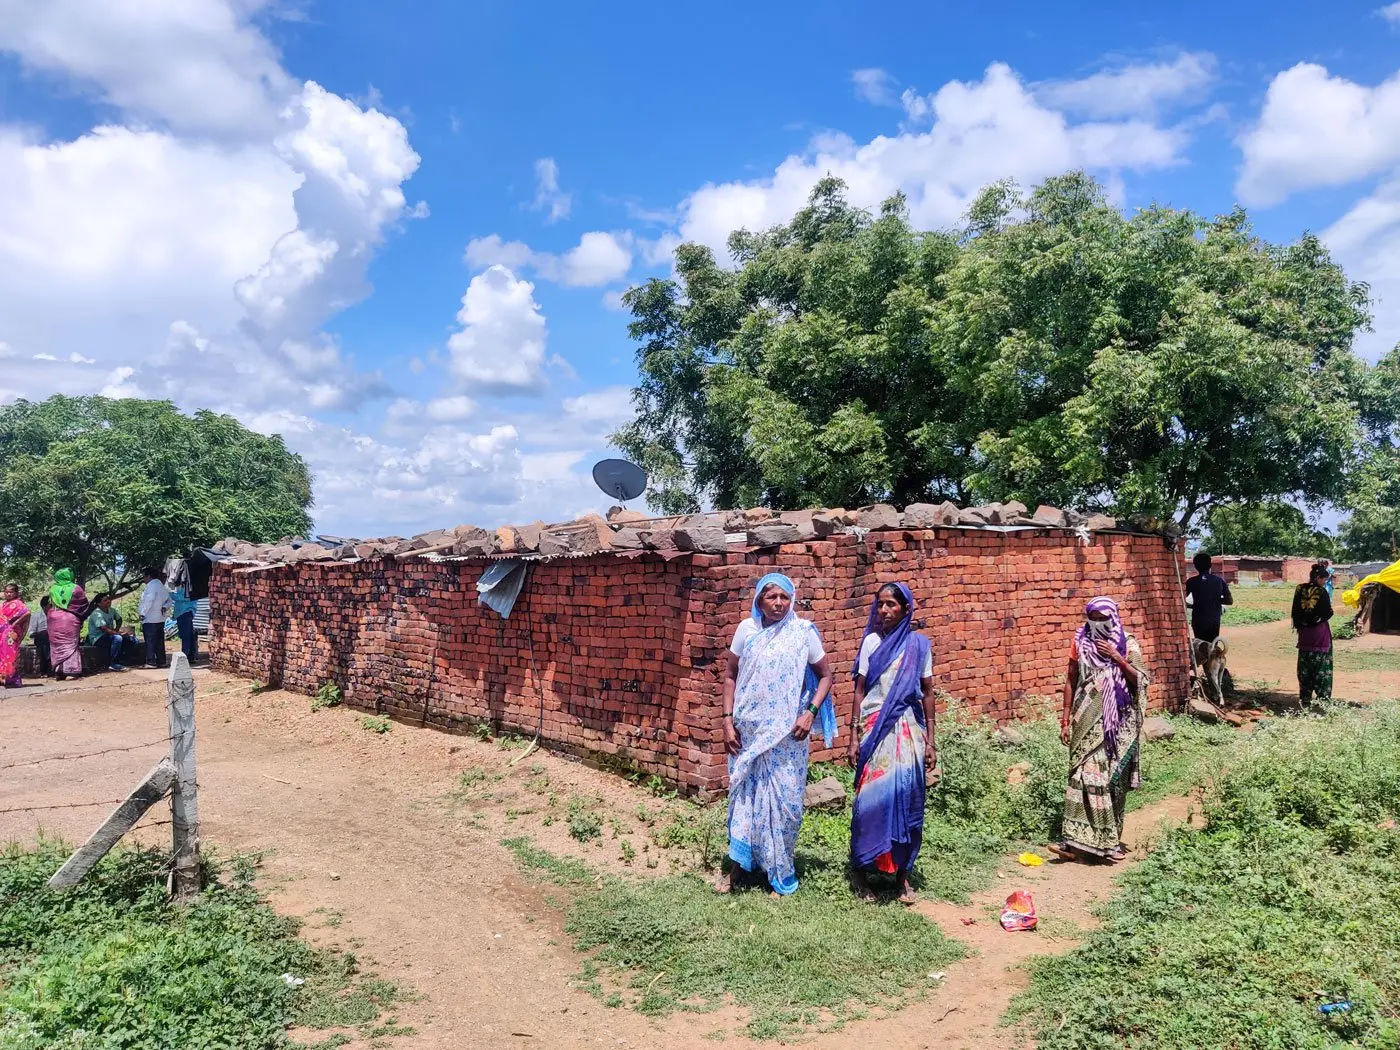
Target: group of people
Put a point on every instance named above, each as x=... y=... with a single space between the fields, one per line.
x=57 y=627
x=778 y=686
x=1311 y=614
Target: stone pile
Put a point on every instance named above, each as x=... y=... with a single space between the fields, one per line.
x=628 y=530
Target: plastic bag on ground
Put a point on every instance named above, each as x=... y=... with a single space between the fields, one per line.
x=1019 y=912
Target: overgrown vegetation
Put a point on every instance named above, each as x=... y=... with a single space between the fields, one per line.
x=1234 y=935
x=112 y=964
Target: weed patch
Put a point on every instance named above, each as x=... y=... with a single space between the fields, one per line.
x=329 y=695
x=112 y=964
x=1235 y=935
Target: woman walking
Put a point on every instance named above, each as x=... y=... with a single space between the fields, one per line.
x=1104 y=690
x=1312 y=609
x=894 y=754
x=776 y=682
x=14 y=625
x=68 y=608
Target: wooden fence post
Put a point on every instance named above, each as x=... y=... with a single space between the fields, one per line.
x=122 y=819
x=184 y=800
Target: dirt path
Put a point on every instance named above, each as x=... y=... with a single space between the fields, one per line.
x=1265 y=656
x=385 y=833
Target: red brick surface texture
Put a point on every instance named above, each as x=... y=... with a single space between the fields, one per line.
x=622 y=657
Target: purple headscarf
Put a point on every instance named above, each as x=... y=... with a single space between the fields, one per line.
x=1113 y=686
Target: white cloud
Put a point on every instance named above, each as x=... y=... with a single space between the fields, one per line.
x=874 y=86
x=195 y=65
x=599 y=258
x=549 y=198
x=1391 y=13
x=501 y=345
x=1366 y=241
x=977 y=133
x=1136 y=89
x=1319 y=130
x=604 y=409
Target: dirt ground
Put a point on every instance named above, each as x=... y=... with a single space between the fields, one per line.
x=1264 y=656
x=382 y=844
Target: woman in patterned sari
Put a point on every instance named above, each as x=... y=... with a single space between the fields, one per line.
x=894 y=755
x=1104 y=691
x=14 y=625
x=776 y=682
x=1312 y=608
x=66 y=614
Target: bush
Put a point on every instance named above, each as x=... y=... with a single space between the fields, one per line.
x=329 y=695
x=1234 y=935
x=112 y=964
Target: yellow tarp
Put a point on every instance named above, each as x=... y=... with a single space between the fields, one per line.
x=1389 y=576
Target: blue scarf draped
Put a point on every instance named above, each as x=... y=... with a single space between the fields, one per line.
x=896 y=818
x=826 y=714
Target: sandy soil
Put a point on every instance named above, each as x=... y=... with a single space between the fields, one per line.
x=1264 y=656
x=386 y=834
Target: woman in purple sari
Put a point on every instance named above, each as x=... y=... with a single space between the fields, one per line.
x=69 y=608
x=894 y=754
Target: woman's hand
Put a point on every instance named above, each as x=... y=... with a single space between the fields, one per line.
x=1064 y=731
x=803 y=726
x=1109 y=651
x=853 y=751
x=732 y=743
x=932 y=774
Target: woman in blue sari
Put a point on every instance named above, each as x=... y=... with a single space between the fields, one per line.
x=776 y=683
x=894 y=754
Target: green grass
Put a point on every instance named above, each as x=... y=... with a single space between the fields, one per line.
x=1367 y=659
x=819 y=958
x=1234 y=617
x=111 y=964
x=1233 y=935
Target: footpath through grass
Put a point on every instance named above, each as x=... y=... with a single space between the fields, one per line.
x=113 y=965
x=1233 y=936
x=820 y=958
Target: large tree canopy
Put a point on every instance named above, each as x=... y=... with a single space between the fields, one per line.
x=1051 y=350
x=108 y=486
x=1265 y=528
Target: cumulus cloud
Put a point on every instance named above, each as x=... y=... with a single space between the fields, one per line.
x=974 y=133
x=1319 y=130
x=1391 y=13
x=875 y=86
x=549 y=198
x=1366 y=241
x=501 y=345
x=599 y=258
x=1136 y=89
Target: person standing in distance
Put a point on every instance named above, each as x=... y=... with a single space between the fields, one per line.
x=155 y=607
x=1209 y=593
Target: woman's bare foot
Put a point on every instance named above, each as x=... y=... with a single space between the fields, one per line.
x=1063 y=851
x=725 y=883
x=861 y=886
x=907 y=896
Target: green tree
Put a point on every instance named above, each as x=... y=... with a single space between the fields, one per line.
x=1272 y=527
x=1051 y=349
x=1372 y=529
x=108 y=486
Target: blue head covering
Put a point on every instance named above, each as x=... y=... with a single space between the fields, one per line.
x=826 y=714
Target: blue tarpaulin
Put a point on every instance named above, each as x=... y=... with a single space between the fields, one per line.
x=499 y=586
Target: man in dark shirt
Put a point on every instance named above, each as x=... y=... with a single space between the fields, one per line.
x=1208 y=593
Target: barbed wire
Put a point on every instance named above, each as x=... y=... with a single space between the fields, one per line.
x=63 y=805
x=85 y=754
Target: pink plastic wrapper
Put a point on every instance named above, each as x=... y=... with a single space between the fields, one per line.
x=1019 y=912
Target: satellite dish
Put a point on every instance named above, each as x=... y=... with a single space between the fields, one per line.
x=619 y=479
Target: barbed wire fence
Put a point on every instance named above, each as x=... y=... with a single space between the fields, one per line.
x=172 y=777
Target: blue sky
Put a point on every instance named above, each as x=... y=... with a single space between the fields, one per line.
x=396 y=234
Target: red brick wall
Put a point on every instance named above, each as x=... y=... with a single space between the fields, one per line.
x=628 y=652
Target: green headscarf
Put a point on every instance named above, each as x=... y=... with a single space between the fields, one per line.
x=62 y=590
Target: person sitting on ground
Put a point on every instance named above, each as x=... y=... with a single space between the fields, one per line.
x=1208 y=593
x=104 y=633
x=1105 y=690
x=39 y=630
x=892 y=747
x=1312 y=608
x=14 y=625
